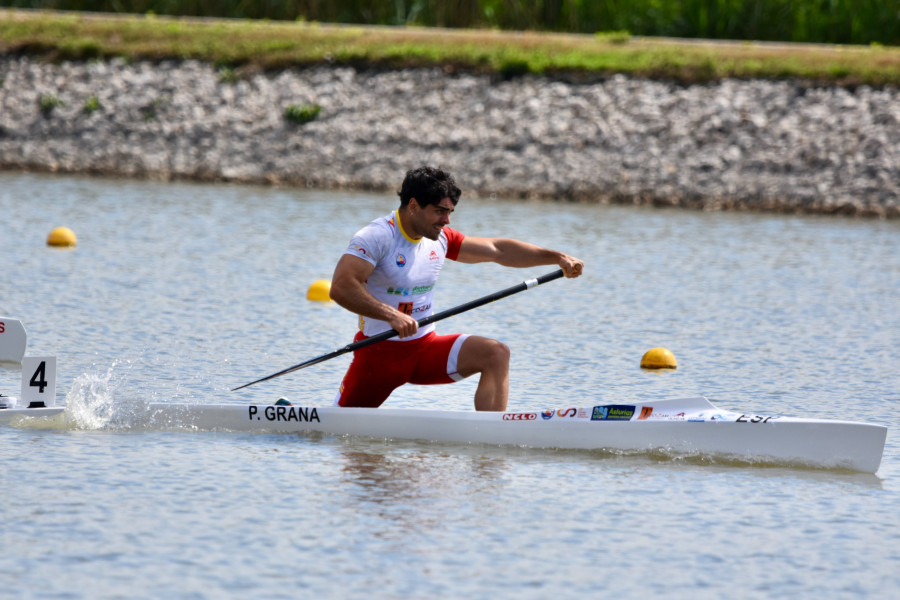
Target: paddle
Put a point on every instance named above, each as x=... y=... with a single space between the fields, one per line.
x=525 y=285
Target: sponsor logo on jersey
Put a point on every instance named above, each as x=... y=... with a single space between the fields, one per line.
x=402 y=291
x=401 y=260
x=359 y=249
x=434 y=256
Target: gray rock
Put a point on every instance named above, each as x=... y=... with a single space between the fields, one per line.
x=748 y=145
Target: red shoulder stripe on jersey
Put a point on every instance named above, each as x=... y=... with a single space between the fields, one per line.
x=454 y=241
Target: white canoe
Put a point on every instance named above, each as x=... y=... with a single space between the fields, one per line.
x=689 y=426
x=15 y=415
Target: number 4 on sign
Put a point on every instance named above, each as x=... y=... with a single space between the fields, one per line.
x=39 y=381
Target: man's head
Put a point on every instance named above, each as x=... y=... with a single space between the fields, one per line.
x=428 y=185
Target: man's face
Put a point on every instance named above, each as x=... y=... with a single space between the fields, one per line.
x=429 y=221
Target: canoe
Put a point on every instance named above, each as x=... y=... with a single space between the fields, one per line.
x=14 y=415
x=677 y=427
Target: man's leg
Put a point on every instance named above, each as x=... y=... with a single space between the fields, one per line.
x=491 y=359
x=375 y=372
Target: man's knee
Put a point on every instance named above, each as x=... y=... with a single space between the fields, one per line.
x=485 y=354
x=499 y=353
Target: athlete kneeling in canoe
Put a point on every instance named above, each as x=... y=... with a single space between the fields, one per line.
x=387 y=277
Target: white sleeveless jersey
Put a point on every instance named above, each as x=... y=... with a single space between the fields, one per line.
x=406 y=270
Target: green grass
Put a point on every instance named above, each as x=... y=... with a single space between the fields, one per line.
x=91 y=105
x=302 y=113
x=48 y=102
x=276 y=45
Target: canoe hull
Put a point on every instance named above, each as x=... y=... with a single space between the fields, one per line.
x=14 y=415
x=689 y=426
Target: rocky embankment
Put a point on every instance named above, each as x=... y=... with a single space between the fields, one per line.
x=751 y=145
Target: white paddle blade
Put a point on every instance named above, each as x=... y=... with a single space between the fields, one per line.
x=12 y=340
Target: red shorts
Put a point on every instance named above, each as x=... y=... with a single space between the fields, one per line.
x=379 y=369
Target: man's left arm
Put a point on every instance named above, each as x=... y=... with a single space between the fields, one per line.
x=515 y=253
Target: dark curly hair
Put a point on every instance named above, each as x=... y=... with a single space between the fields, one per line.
x=428 y=185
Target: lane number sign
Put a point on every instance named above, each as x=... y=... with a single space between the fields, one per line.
x=38 y=381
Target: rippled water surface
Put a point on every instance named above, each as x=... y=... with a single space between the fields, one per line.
x=179 y=292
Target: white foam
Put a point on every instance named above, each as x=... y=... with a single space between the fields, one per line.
x=100 y=400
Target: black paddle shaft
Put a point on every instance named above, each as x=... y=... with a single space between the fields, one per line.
x=525 y=285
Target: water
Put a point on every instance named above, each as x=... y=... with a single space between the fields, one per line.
x=179 y=292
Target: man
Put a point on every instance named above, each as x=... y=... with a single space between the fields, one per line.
x=387 y=277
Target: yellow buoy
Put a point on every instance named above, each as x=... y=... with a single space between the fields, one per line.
x=62 y=236
x=319 y=290
x=658 y=358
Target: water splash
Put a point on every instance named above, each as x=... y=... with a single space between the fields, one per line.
x=99 y=400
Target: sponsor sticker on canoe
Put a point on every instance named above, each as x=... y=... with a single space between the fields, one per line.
x=570 y=413
x=660 y=416
x=573 y=413
x=613 y=412
x=702 y=417
x=519 y=416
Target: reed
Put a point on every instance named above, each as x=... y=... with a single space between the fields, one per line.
x=240 y=45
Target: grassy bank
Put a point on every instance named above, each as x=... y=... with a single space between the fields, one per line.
x=810 y=21
x=273 y=45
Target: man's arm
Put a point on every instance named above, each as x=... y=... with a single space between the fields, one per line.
x=348 y=289
x=513 y=253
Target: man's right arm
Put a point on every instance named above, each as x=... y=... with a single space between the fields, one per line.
x=348 y=289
